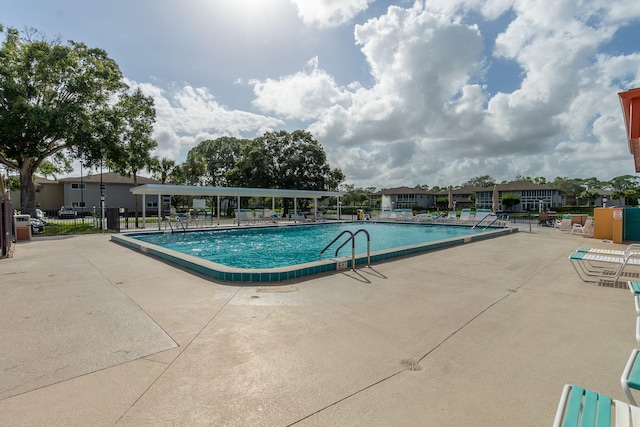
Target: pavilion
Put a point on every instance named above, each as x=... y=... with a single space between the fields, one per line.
x=159 y=190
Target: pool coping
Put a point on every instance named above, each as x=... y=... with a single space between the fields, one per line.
x=276 y=275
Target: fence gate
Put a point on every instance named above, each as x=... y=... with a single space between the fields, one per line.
x=113 y=219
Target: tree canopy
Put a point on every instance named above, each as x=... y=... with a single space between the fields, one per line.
x=218 y=156
x=481 y=181
x=284 y=160
x=55 y=98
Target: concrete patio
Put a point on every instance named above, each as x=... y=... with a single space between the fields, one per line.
x=485 y=334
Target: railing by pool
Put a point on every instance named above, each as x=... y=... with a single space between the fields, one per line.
x=352 y=239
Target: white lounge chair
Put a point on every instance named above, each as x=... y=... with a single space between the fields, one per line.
x=564 y=224
x=630 y=378
x=595 y=268
x=452 y=215
x=481 y=214
x=633 y=247
x=466 y=215
x=244 y=216
x=585 y=230
x=423 y=218
x=402 y=214
x=384 y=215
x=581 y=407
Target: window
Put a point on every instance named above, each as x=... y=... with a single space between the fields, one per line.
x=152 y=204
x=78 y=204
x=77 y=186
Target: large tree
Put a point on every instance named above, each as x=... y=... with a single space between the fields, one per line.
x=219 y=156
x=130 y=150
x=162 y=168
x=53 y=99
x=481 y=181
x=294 y=161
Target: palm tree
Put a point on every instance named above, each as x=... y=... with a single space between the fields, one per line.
x=161 y=168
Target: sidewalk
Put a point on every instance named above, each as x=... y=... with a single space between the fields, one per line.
x=485 y=334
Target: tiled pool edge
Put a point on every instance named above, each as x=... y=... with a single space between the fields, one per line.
x=245 y=275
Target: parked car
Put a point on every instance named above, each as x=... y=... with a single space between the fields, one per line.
x=65 y=212
x=39 y=214
x=37 y=226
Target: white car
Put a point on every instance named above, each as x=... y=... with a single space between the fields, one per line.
x=65 y=212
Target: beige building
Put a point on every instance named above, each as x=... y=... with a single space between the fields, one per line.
x=83 y=193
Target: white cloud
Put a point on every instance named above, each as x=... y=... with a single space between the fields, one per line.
x=186 y=116
x=428 y=118
x=301 y=96
x=329 y=13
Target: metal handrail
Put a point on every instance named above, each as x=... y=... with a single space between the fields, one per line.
x=179 y=221
x=497 y=217
x=351 y=238
x=167 y=220
x=334 y=240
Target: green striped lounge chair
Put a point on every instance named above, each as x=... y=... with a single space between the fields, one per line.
x=594 y=267
x=582 y=407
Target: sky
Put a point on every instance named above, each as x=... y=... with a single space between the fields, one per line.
x=398 y=93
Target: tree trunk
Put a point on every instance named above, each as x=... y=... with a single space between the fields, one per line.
x=135 y=184
x=27 y=188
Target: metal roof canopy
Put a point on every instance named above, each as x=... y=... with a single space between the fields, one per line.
x=630 y=103
x=196 y=190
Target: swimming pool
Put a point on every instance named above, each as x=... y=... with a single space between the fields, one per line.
x=277 y=253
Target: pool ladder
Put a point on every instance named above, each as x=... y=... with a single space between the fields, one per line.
x=168 y=221
x=497 y=217
x=352 y=239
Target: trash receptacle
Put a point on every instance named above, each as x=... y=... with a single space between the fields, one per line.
x=23 y=227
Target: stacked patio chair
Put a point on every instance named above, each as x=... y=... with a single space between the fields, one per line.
x=581 y=407
x=605 y=267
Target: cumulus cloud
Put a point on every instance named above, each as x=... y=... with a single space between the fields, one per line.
x=428 y=115
x=301 y=96
x=186 y=116
x=329 y=13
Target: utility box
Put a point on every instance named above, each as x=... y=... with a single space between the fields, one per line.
x=631 y=224
x=608 y=224
x=23 y=227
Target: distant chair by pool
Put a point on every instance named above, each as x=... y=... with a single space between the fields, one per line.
x=384 y=215
x=244 y=216
x=402 y=214
x=466 y=215
x=482 y=214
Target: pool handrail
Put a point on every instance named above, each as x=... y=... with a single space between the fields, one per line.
x=334 y=240
x=353 y=243
x=353 y=246
x=179 y=221
x=497 y=217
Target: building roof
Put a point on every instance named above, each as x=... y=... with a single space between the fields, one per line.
x=401 y=190
x=520 y=186
x=105 y=178
x=202 y=190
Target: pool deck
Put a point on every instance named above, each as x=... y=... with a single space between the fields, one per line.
x=484 y=334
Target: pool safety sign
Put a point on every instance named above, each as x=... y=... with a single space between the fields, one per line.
x=617 y=214
x=199 y=204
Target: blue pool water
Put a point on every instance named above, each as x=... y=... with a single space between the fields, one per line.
x=273 y=247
